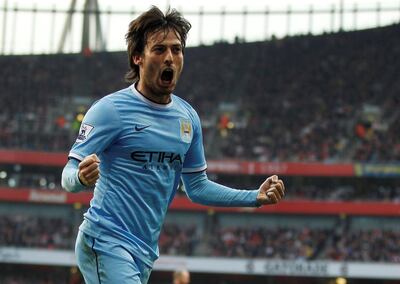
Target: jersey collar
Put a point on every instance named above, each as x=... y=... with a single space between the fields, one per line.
x=149 y=102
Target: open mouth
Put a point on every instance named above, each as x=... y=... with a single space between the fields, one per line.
x=167 y=75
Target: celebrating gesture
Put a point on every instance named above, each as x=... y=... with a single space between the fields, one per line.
x=135 y=146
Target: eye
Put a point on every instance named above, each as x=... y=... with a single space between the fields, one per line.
x=158 y=49
x=177 y=49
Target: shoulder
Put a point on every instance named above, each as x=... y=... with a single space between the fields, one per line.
x=190 y=113
x=107 y=107
x=120 y=95
x=185 y=106
x=111 y=101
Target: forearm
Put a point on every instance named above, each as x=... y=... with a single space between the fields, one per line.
x=69 y=180
x=201 y=190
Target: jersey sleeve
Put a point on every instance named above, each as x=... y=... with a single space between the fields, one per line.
x=201 y=190
x=195 y=160
x=100 y=126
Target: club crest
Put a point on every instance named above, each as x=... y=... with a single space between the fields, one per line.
x=186 y=130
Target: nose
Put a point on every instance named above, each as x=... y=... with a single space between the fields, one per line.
x=168 y=57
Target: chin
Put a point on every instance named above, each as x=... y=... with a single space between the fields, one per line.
x=167 y=89
x=164 y=92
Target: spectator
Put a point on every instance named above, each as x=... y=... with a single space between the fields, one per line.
x=181 y=277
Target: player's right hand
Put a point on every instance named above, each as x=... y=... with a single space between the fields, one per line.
x=88 y=170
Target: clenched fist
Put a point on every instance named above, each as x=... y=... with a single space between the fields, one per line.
x=88 y=170
x=271 y=191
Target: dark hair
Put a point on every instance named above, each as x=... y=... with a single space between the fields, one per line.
x=147 y=23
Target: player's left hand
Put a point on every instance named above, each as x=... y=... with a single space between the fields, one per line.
x=271 y=191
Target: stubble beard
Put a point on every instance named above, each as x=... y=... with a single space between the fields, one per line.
x=161 y=93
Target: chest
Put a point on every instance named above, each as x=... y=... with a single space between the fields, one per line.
x=155 y=135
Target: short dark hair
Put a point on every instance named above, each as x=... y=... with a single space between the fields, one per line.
x=149 y=22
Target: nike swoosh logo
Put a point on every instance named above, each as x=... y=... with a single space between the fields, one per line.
x=137 y=128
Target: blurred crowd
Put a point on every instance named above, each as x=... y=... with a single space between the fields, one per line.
x=178 y=240
x=34 y=231
x=308 y=98
x=277 y=243
x=339 y=242
x=329 y=98
x=44 y=94
x=15 y=277
x=345 y=193
x=308 y=244
x=26 y=274
x=365 y=245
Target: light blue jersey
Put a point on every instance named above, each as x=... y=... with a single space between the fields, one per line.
x=143 y=148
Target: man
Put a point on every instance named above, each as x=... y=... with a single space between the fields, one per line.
x=137 y=145
x=181 y=277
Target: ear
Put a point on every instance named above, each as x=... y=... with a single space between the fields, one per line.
x=137 y=59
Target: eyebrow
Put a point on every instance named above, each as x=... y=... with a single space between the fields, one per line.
x=162 y=45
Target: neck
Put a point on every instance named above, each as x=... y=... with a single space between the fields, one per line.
x=152 y=96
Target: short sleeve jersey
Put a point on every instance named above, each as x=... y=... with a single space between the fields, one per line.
x=143 y=149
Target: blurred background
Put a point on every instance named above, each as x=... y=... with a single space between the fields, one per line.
x=308 y=90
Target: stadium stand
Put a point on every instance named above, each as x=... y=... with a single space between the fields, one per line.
x=328 y=98
x=33 y=274
x=335 y=240
x=35 y=231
